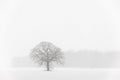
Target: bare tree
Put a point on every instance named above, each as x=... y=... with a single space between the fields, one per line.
x=46 y=54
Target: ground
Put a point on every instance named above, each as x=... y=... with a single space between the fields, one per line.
x=59 y=74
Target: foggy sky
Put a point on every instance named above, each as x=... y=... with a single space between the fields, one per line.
x=69 y=24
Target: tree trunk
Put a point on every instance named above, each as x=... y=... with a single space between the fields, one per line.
x=48 y=66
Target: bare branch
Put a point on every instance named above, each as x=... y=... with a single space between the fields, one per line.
x=46 y=53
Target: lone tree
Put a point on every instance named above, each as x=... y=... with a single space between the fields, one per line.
x=46 y=54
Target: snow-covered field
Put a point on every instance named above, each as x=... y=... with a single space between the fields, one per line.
x=59 y=74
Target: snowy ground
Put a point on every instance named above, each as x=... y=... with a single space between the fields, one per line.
x=59 y=74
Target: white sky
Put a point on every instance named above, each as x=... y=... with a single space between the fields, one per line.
x=69 y=24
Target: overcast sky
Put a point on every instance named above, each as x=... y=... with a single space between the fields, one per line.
x=69 y=24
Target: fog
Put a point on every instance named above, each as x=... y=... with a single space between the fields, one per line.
x=72 y=25
x=77 y=25
x=81 y=59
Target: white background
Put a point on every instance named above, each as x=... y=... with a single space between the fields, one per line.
x=69 y=24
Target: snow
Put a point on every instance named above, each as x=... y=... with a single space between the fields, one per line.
x=59 y=74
